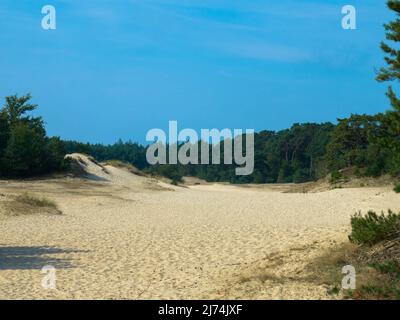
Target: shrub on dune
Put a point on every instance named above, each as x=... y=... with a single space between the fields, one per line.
x=373 y=228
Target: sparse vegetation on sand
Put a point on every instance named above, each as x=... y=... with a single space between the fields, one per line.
x=336 y=176
x=30 y=204
x=374 y=252
x=35 y=201
x=123 y=165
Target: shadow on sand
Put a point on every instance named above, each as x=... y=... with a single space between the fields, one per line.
x=25 y=258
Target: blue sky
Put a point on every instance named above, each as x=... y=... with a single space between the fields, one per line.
x=115 y=69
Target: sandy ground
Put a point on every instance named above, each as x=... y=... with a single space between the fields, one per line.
x=140 y=240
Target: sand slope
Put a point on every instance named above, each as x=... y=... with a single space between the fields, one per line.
x=129 y=240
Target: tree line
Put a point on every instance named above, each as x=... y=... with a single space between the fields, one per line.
x=25 y=149
x=304 y=152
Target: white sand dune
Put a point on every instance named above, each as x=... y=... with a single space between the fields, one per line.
x=93 y=170
x=123 y=238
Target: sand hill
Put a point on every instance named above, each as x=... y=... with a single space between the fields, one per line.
x=118 y=175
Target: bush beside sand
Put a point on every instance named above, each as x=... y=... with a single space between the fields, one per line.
x=374 y=252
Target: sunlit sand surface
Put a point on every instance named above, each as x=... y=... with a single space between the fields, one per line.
x=141 y=239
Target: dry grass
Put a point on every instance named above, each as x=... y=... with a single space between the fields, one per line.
x=326 y=269
x=262 y=277
x=123 y=165
x=374 y=252
x=374 y=279
x=36 y=201
x=30 y=204
x=348 y=180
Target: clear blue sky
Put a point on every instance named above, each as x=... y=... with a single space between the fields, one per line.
x=115 y=69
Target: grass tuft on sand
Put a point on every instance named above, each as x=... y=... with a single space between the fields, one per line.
x=374 y=252
x=124 y=165
x=25 y=203
x=35 y=201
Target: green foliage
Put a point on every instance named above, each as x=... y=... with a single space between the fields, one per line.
x=127 y=152
x=293 y=155
x=301 y=175
x=353 y=143
x=372 y=228
x=25 y=150
x=16 y=108
x=391 y=73
x=373 y=142
x=304 y=152
x=335 y=290
x=4 y=130
x=388 y=267
x=24 y=153
x=397 y=188
x=336 y=176
x=386 y=284
x=54 y=155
